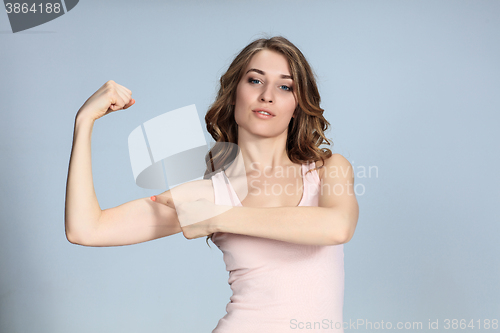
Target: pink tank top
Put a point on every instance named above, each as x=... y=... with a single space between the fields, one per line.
x=280 y=286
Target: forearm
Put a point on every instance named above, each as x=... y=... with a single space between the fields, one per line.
x=82 y=209
x=301 y=225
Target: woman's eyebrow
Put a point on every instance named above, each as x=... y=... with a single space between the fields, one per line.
x=283 y=76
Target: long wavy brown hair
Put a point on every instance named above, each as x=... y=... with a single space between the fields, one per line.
x=306 y=129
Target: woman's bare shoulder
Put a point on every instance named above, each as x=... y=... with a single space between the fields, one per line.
x=336 y=163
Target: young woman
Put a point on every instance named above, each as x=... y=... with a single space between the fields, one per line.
x=282 y=242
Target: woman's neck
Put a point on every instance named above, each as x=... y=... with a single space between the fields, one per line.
x=259 y=153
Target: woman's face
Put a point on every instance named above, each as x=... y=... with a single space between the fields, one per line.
x=266 y=85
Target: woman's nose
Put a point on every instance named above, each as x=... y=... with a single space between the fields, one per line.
x=267 y=95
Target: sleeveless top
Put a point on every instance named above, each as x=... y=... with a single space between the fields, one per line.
x=280 y=286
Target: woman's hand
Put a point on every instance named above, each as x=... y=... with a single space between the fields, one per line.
x=197 y=218
x=110 y=97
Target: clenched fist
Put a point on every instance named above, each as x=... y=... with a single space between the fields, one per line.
x=110 y=97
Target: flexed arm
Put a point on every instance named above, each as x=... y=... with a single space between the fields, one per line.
x=85 y=223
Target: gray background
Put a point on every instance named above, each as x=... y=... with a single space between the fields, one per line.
x=410 y=87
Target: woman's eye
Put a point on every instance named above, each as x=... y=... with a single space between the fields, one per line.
x=286 y=88
x=253 y=81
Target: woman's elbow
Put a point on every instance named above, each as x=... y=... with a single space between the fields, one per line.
x=344 y=234
x=348 y=236
x=71 y=238
x=74 y=239
x=341 y=237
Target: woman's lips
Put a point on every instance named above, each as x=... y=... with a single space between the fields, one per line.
x=262 y=116
x=265 y=110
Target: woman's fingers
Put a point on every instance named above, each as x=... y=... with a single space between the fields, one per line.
x=163 y=200
x=128 y=91
x=122 y=100
x=132 y=102
x=129 y=101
